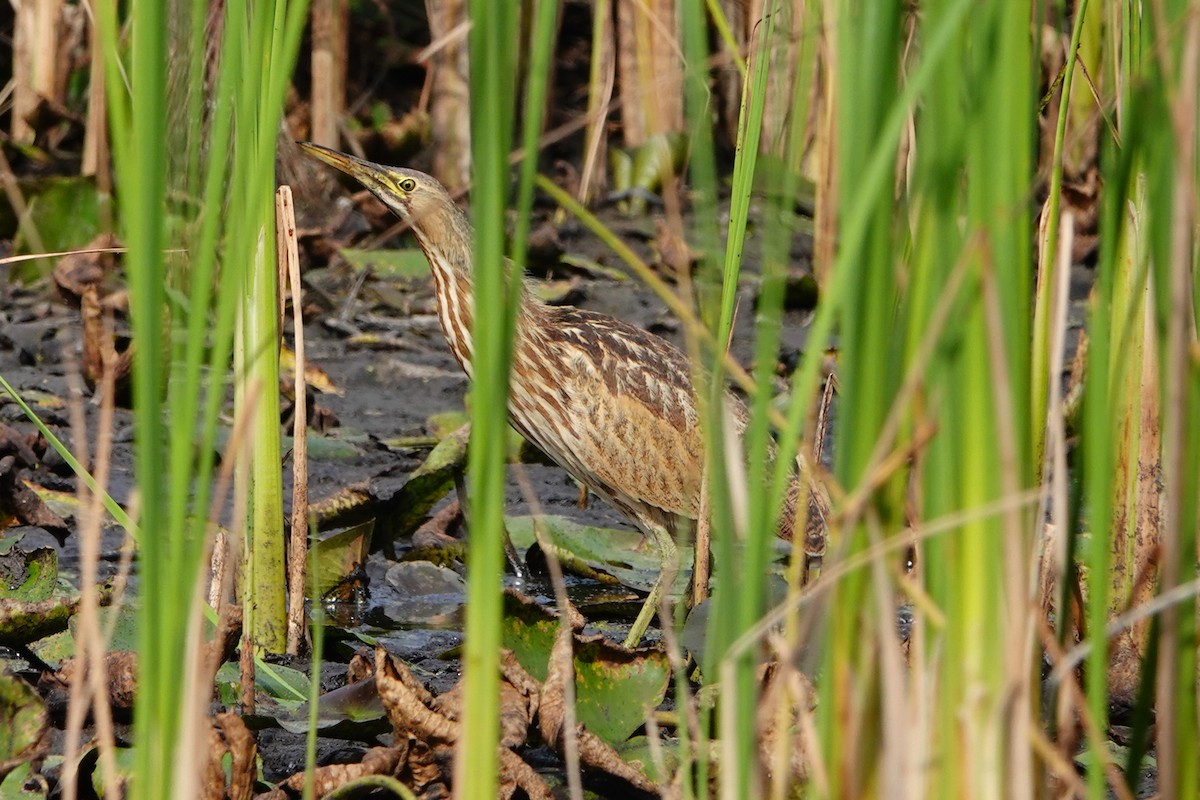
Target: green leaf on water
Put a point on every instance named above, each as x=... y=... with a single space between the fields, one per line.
x=444 y=423
x=428 y=483
x=286 y=687
x=338 y=556
x=407 y=263
x=624 y=554
x=23 y=719
x=614 y=688
x=351 y=712
x=63 y=211
x=28 y=576
x=13 y=787
x=637 y=753
x=528 y=630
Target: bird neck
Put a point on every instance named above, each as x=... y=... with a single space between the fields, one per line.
x=448 y=242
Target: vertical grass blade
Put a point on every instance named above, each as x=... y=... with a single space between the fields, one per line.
x=181 y=180
x=742 y=573
x=493 y=62
x=142 y=164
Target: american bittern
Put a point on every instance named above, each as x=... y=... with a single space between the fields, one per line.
x=610 y=403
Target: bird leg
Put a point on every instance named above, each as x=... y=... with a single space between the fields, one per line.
x=668 y=560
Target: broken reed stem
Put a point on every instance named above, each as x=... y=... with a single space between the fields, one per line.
x=89 y=685
x=241 y=501
x=702 y=553
x=287 y=252
x=12 y=192
x=601 y=82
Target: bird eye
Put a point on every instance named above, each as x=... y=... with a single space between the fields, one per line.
x=407 y=185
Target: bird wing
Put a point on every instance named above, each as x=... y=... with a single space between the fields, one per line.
x=632 y=431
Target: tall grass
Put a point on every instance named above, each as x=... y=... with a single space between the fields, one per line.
x=194 y=156
x=944 y=398
x=922 y=143
x=493 y=57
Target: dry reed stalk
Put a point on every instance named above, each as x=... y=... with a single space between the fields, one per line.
x=89 y=687
x=95 y=136
x=330 y=27
x=450 y=99
x=650 y=68
x=287 y=250
x=35 y=68
x=601 y=83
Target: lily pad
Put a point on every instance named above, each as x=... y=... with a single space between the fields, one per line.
x=338 y=558
x=284 y=687
x=28 y=575
x=23 y=722
x=427 y=484
x=623 y=554
x=351 y=712
x=528 y=630
x=65 y=213
x=55 y=648
x=17 y=785
x=407 y=263
x=445 y=423
x=614 y=688
x=637 y=752
x=123 y=624
x=327 y=448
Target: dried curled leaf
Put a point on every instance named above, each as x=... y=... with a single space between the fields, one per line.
x=594 y=752
x=376 y=761
x=230 y=737
x=431 y=726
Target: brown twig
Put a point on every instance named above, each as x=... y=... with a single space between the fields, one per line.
x=288 y=253
x=89 y=685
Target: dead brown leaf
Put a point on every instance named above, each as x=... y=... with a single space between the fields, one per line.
x=360 y=667
x=519 y=698
x=77 y=272
x=435 y=532
x=674 y=255
x=120 y=668
x=20 y=504
x=432 y=726
x=100 y=347
x=229 y=736
x=314 y=376
x=376 y=761
x=789 y=689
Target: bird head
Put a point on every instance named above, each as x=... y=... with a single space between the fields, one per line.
x=414 y=196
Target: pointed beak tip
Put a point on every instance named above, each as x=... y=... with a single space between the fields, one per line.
x=331 y=157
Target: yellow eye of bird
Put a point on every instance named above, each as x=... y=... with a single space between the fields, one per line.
x=407 y=185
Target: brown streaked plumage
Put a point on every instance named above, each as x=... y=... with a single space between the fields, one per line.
x=610 y=403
